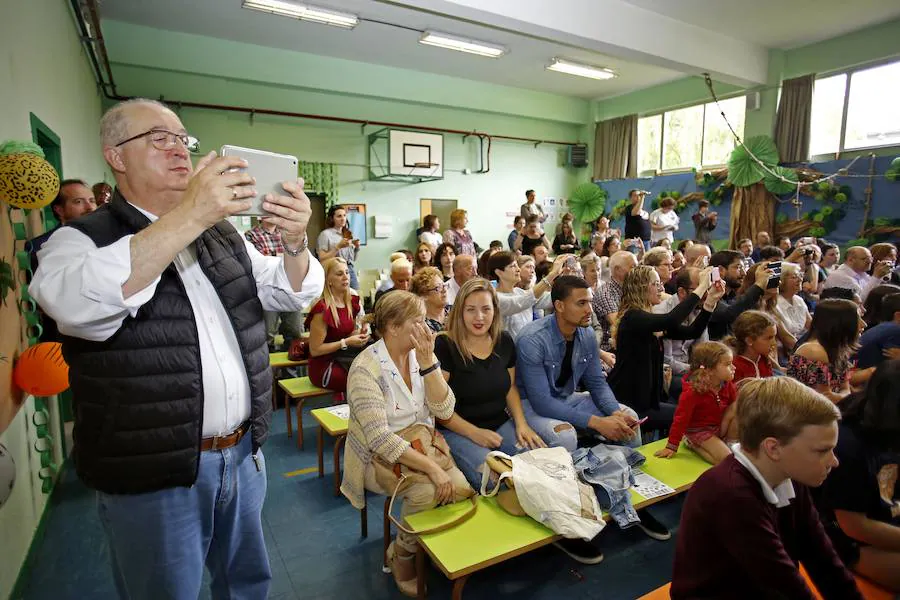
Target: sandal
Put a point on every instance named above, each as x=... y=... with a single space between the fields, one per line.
x=408 y=587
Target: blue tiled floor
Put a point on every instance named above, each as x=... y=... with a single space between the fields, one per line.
x=316 y=551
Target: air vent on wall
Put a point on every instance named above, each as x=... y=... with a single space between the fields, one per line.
x=578 y=155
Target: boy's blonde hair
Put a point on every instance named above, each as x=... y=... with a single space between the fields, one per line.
x=779 y=407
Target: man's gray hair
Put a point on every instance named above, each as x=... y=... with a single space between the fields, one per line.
x=114 y=123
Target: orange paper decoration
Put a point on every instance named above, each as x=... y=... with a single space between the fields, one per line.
x=41 y=370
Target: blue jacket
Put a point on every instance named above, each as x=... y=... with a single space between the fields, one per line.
x=541 y=348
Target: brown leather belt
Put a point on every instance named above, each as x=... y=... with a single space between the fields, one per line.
x=221 y=442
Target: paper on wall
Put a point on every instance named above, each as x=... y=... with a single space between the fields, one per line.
x=384 y=226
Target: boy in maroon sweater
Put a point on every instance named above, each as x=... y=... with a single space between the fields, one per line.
x=749 y=521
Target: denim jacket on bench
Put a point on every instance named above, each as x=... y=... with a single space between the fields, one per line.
x=541 y=348
x=607 y=468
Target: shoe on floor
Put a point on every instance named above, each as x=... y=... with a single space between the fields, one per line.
x=584 y=552
x=652 y=527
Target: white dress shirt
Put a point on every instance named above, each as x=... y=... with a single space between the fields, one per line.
x=80 y=287
x=845 y=277
x=452 y=290
x=781 y=495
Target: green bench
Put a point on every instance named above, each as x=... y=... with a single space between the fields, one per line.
x=493 y=536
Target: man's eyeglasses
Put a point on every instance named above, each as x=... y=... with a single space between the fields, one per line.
x=163 y=139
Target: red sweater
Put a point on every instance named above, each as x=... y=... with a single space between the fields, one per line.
x=732 y=543
x=744 y=367
x=697 y=410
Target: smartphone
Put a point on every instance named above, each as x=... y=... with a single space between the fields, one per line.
x=641 y=421
x=571 y=263
x=269 y=169
x=775 y=279
x=715 y=275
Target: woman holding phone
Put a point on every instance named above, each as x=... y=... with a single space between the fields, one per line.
x=337 y=241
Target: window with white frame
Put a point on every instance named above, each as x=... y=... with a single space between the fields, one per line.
x=689 y=137
x=856 y=110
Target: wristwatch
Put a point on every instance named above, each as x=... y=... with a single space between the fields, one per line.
x=301 y=248
x=343 y=343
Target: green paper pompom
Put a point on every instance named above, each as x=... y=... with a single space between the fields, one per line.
x=895 y=164
x=824 y=186
x=743 y=171
x=817 y=232
x=781 y=218
x=892 y=175
x=20 y=147
x=675 y=195
x=818 y=218
x=777 y=186
x=680 y=206
x=827 y=210
x=840 y=197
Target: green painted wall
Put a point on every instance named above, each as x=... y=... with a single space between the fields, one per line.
x=51 y=78
x=867 y=45
x=515 y=166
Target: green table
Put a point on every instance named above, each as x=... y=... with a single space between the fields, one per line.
x=493 y=535
x=279 y=361
x=299 y=389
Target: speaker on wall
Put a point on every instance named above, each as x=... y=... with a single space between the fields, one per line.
x=578 y=155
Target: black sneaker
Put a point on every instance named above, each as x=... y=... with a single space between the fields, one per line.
x=652 y=527
x=584 y=552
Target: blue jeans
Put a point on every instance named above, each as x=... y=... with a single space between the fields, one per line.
x=583 y=399
x=160 y=541
x=351 y=271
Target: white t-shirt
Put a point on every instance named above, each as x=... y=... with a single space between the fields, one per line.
x=432 y=238
x=664 y=219
x=793 y=313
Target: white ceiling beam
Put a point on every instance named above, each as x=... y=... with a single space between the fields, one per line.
x=617 y=28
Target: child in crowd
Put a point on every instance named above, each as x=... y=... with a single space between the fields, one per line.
x=753 y=343
x=750 y=521
x=705 y=409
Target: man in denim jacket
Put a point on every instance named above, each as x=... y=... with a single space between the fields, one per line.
x=557 y=353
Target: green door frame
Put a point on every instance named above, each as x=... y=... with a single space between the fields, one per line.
x=46 y=138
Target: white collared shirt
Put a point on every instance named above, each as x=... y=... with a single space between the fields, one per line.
x=452 y=290
x=80 y=287
x=845 y=277
x=780 y=496
x=403 y=406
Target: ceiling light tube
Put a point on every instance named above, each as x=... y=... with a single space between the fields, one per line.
x=452 y=42
x=573 y=68
x=285 y=8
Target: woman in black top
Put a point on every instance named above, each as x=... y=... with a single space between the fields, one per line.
x=478 y=360
x=565 y=242
x=857 y=502
x=637 y=378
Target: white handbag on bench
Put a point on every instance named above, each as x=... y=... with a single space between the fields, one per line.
x=549 y=491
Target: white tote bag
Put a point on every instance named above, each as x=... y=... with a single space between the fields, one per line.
x=548 y=489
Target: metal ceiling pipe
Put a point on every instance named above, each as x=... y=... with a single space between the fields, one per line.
x=103 y=59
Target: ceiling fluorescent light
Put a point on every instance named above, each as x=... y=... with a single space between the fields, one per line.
x=303 y=12
x=572 y=68
x=451 y=42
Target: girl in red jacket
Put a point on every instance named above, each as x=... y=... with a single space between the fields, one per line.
x=703 y=416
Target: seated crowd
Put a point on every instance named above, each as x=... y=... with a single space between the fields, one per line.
x=778 y=364
x=748 y=356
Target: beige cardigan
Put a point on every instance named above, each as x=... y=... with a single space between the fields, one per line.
x=369 y=433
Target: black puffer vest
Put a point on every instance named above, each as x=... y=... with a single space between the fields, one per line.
x=138 y=396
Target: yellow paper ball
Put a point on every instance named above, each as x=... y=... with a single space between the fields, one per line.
x=27 y=181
